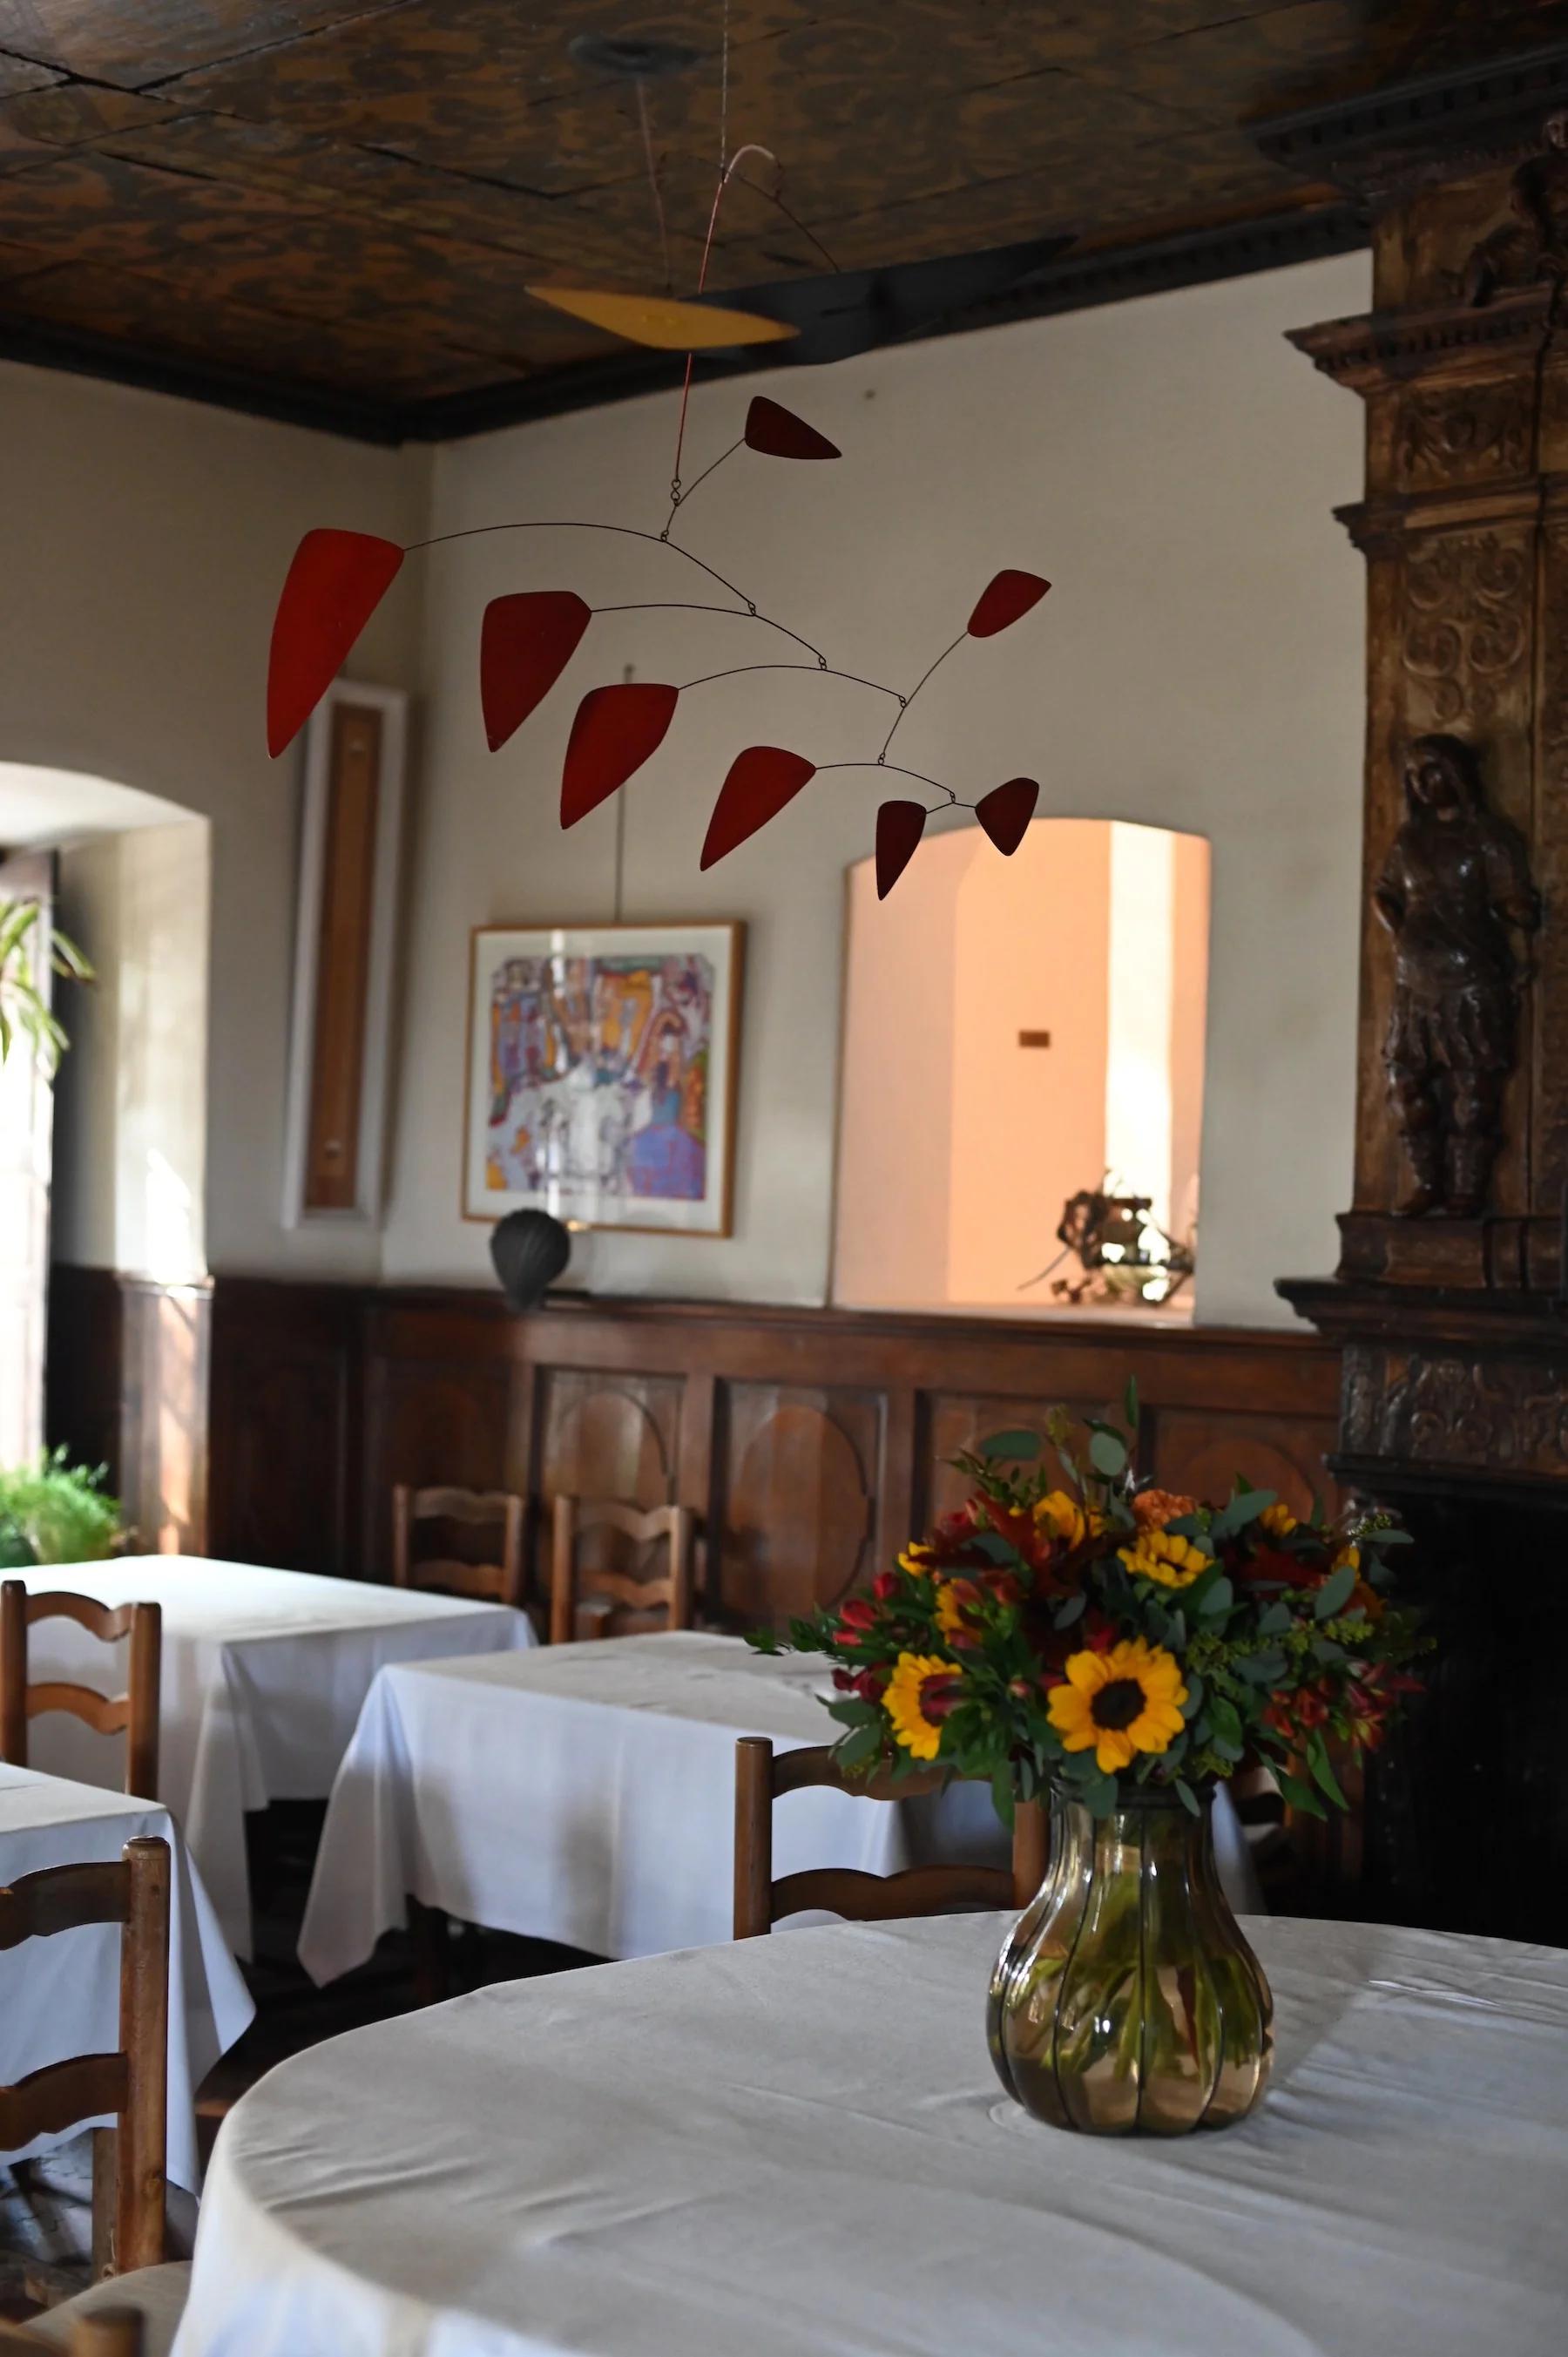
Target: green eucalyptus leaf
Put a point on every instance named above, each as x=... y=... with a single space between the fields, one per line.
x=1217 y=1598
x=1071 y=1612
x=1334 y=1593
x=1187 y=1796
x=1276 y=1620
x=1108 y=1454
x=1022 y=1446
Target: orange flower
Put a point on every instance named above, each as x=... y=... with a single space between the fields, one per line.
x=1153 y=1508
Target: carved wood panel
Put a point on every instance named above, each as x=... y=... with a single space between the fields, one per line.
x=799 y=1510
x=955 y=1422
x=611 y=1437
x=1200 y=1453
x=433 y=1424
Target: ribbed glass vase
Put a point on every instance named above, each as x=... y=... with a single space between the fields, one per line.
x=1125 y=2000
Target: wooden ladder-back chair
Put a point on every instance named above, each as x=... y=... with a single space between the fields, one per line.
x=105 y=2332
x=496 y=1510
x=761 y=1777
x=575 y=1518
x=135 y=1712
x=133 y=1891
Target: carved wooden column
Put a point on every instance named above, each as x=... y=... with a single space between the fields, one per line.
x=1451 y=1299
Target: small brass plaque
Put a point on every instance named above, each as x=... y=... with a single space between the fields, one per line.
x=1033 y=1038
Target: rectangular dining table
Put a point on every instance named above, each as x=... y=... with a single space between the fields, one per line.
x=264 y=1673
x=586 y=1793
x=61 y=1996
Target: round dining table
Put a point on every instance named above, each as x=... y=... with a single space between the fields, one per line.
x=795 y=2146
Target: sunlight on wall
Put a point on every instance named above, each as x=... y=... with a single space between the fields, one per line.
x=960 y=1137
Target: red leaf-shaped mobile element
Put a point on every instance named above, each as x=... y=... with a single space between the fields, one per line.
x=760 y=781
x=1004 y=600
x=899 y=827
x=615 y=730
x=334 y=585
x=1006 y=812
x=525 y=644
x=777 y=433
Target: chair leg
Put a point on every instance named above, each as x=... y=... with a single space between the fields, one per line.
x=105 y=2198
x=430 y=1933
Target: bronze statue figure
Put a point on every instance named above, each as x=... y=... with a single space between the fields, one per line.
x=1453 y=890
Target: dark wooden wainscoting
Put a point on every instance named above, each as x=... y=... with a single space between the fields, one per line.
x=808 y=1443
x=128 y=1386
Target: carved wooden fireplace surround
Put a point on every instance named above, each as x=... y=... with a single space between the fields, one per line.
x=1450 y=1299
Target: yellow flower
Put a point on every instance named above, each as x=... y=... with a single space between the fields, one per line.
x=917 y=1560
x=902 y=1702
x=1062 y=1517
x=1121 y=1702
x=1278 y=1521
x=1349 y=1553
x=953 y=1598
x=1160 y=1555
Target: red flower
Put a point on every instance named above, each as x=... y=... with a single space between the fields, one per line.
x=885 y=1585
x=866 y=1683
x=858 y=1613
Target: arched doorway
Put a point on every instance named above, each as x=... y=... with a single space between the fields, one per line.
x=1016 y=1030
x=103 y=1165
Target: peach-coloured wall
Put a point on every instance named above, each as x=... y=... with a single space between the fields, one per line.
x=958 y=1147
x=1028 y=1123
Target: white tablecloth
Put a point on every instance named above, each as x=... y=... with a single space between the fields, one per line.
x=586 y=1793
x=263 y=1676
x=61 y=1996
x=797 y=2148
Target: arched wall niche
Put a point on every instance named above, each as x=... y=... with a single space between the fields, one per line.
x=1013 y=1031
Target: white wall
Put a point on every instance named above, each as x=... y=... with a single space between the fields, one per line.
x=132 y=1094
x=142 y=541
x=1172 y=466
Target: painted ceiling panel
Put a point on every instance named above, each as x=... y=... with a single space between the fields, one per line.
x=354 y=194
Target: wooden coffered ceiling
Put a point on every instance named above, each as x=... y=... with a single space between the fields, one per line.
x=333 y=208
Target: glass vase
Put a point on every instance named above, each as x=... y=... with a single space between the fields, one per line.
x=1125 y=2000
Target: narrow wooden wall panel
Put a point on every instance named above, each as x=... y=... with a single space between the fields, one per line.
x=799 y=1498
x=343 y=961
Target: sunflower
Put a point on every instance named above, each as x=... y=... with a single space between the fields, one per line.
x=1057 y=1517
x=904 y=1701
x=954 y=1597
x=916 y=1559
x=1161 y=1555
x=1120 y=1703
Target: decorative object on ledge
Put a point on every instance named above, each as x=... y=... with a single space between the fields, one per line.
x=529 y=1251
x=1453 y=887
x=345 y=948
x=602 y=1075
x=1130 y=1648
x=1125 y=1256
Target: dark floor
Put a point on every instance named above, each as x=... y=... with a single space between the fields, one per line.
x=46 y=2204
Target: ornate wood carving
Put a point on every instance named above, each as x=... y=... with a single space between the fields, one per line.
x=1462 y=434
x=1466 y=628
x=1502 y=1417
x=1454 y=887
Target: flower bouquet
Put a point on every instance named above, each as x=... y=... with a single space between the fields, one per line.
x=1127 y=1648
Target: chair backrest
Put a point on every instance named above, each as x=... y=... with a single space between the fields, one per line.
x=761 y=1778
x=106 y=2332
x=494 y=1510
x=133 y=1891
x=569 y=1587
x=135 y=1712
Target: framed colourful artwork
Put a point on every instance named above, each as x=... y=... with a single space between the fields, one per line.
x=602 y=1074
